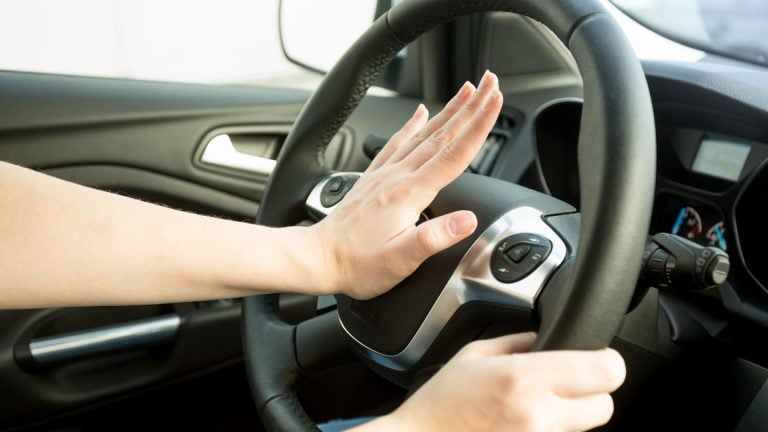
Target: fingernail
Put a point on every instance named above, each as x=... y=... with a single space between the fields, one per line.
x=465 y=90
x=462 y=224
x=486 y=80
x=616 y=367
x=419 y=109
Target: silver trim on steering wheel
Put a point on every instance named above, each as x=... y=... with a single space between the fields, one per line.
x=473 y=281
x=314 y=205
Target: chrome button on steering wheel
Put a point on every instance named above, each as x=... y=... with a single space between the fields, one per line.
x=328 y=192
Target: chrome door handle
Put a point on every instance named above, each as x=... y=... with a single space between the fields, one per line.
x=221 y=152
x=74 y=345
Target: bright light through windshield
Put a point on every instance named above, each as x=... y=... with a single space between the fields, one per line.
x=736 y=28
x=649 y=45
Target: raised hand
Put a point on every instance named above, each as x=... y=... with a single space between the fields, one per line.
x=371 y=241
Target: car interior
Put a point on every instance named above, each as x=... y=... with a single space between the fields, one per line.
x=644 y=190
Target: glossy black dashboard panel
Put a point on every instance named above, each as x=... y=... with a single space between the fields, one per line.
x=700 y=175
x=712 y=124
x=712 y=179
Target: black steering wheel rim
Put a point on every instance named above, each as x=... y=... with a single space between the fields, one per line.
x=616 y=150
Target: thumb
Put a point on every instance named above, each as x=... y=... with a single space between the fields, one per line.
x=438 y=234
x=509 y=344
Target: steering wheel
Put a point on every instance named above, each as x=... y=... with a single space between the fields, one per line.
x=533 y=261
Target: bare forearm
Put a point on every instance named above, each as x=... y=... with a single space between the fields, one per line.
x=63 y=244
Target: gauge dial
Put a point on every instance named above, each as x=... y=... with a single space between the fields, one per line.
x=716 y=236
x=688 y=223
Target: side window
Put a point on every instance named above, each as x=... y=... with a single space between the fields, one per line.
x=315 y=34
x=205 y=41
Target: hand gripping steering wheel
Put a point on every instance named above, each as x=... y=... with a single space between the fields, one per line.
x=533 y=261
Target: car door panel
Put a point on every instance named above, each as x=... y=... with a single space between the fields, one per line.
x=146 y=140
x=160 y=188
x=207 y=339
x=54 y=121
x=141 y=139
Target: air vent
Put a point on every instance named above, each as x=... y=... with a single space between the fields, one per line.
x=489 y=152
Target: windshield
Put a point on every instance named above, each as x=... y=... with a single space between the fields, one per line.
x=733 y=28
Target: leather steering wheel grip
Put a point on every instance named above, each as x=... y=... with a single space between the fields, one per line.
x=616 y=151
x=273 y=366
x=617 y=159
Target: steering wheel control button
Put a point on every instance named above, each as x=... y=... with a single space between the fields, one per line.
x=335 y=185
x=517 y=256
x=538 y=254
x=518 y=252
x=335 y=189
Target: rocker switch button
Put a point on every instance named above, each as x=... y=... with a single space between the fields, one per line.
x=335 y=185
x=518 y=255
x=335 y=189
x=518 y=252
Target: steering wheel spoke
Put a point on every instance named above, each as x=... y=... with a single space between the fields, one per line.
x=511 y=261
x=519 y=243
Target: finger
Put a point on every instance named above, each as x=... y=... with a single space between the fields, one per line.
x=433 y=236
x=509 y=344
x=586 y=412
x=450 y=109
x=454 y=128
x=450 y=161
x=415 y=124
x=576 y=373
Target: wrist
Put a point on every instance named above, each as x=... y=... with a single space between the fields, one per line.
x=252 y=259
x=323 y=265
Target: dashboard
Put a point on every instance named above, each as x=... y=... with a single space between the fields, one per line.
x=698 y=222
x=699 y=172
x=710 y=190
x=712 y=167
